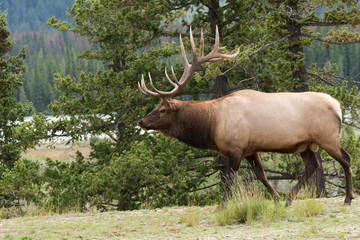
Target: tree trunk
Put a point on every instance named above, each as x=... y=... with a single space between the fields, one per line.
x=221 y=89
x=6 y=154
x=317 y=180
x=221 y=82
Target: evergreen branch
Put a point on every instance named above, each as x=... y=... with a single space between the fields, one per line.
x=269 y=44
x=262 y=48
x=240 y=84
x=329 y=41
x=181 y=6
x=325 y=24
x=289 y=12
x=322 y=78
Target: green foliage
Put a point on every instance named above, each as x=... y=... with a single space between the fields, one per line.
x=22 y=182
x=12 y=113
x=64 y=186
x=162 y=172
x=153 y=173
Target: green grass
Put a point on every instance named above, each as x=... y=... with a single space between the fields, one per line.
x=335 y=222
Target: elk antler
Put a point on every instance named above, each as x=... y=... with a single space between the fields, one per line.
x=189 y=69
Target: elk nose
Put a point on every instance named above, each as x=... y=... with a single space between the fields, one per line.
x=140 y=122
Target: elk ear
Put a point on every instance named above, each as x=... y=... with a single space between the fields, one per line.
x=172 y=105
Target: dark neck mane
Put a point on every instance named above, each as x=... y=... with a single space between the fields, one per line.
x=194 y=126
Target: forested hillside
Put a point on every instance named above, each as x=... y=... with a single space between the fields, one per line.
x=31 y=15
x=50 y=51
x=346 y=57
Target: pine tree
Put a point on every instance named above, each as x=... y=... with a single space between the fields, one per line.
x=12 y=113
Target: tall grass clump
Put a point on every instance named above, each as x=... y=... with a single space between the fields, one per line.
x=191 y=217
x=309 y=206
x=248 y=204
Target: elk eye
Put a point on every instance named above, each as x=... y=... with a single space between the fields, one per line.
x=162 y=110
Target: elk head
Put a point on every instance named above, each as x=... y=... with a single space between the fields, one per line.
x=162 y=116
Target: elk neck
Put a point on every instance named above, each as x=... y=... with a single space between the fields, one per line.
x=194 y=125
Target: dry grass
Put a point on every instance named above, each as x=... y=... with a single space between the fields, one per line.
x=58 y=151
x=336 y=222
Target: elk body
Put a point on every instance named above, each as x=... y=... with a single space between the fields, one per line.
x=246 y=122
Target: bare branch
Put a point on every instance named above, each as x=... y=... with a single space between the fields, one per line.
x=203 y=188
x=351 y=125
x=323 y=79
x=334 y=184
x=262 y=48
x=325 y=24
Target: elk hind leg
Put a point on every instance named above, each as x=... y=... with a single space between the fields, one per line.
x=344 y=159
x=258 y=168
x=311 y=164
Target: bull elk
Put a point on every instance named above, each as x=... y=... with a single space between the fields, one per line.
x=246 y=122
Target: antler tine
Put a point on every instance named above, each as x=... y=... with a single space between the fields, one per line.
x=175 y=78
x=183 y=53
x=193 y=48
x=145 y=90
x=168 y=78
x=152 y=85
x=217 y=39
x=140 y=89
x=219 y=56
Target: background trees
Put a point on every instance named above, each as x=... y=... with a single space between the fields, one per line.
x=12 y=112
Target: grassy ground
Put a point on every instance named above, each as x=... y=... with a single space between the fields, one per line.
x=336 y=222
x=59 y=151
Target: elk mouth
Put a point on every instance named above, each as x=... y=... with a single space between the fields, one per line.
x=144 y=126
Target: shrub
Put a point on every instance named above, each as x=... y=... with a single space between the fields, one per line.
x=22 y=182
x=161 y=172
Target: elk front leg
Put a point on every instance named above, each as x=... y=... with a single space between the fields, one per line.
x=258 y=168
x=231 y=172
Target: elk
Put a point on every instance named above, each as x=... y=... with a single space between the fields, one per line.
x=246 y=122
